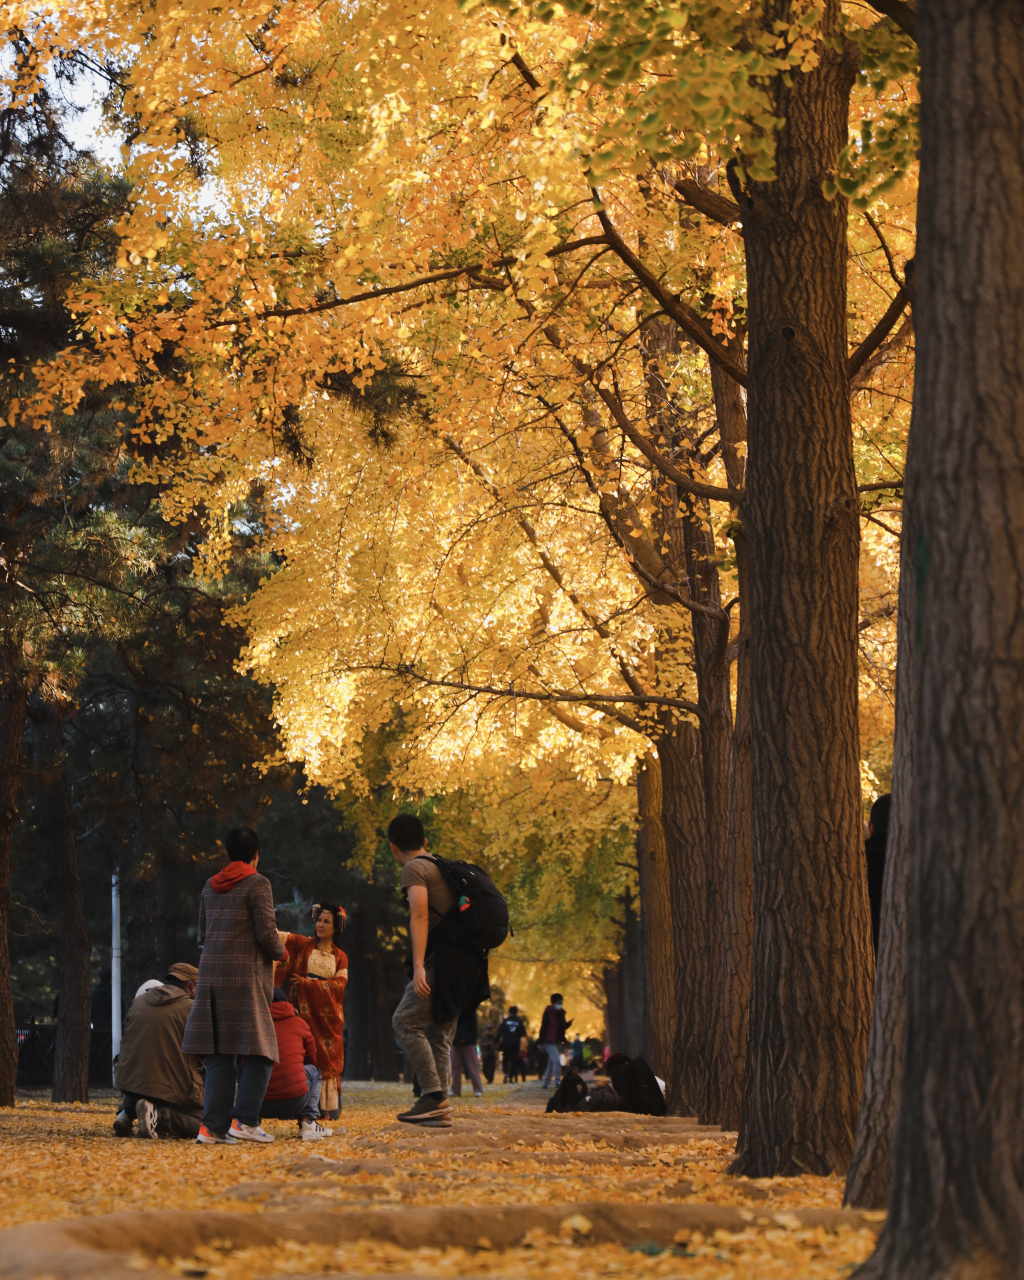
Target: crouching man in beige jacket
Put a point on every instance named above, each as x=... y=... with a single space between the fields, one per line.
x=162 y=1087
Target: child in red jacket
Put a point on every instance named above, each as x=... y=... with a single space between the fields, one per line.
x=294 y=1089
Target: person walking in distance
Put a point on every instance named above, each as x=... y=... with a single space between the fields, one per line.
x=510 y=1035
x=553 y=1026
x=230 y=1023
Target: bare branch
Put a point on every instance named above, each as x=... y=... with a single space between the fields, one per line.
x=903 y=15
x=531 y=695
x=694 y=326
x=878 y=334
x=717 y=208
x=654 y=455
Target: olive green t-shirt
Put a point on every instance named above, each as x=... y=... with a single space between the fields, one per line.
x=439 y=897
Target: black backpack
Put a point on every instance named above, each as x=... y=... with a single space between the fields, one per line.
x=479 y=918
x=637 y=1085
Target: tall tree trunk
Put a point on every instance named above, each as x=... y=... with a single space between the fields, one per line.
x=74 y=951
x=656 y=918
x=737 y=897
x=13 y=701
x=683 y=814
x=869 y=1175
x=812 y=967
x=957 y=1203
x=709 y=651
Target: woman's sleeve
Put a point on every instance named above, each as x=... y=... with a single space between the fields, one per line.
x=340 y=979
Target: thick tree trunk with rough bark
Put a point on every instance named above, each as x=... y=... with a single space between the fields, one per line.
x=683 y=817
x=869 y=1175
x=74 y=976
x=737 y=899
x=656 y=919
x=957 y=1202
x=812 y=966
x=13 y=700
x=709 y=651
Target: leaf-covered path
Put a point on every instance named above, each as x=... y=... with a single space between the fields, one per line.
x=506 y=1192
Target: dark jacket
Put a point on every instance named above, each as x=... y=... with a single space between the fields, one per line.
x=466 y=1030
x=151 y=1062
x=510 y=1033
x=553 y=1019
x=460 y=976
x=240 y=942
x=295 y=1047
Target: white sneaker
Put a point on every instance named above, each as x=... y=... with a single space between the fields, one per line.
x=146 y=1115
x=313 y=1131
x=208 y=1138
x=250 y=1132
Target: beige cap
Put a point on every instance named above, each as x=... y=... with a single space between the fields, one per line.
x=183 y=972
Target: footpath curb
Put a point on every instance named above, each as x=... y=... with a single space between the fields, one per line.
x=118 y=1246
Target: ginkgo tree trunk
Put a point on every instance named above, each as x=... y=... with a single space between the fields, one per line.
x=956 y=1202
x=812 y=971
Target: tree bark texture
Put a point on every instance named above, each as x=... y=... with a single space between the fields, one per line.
x=73 y=949
x=869 y=1176
x=683 y=531
x=683 y=815
x=656 y=922
x=13 y=701
x=812 y=966
x=957 y=1202
x=737 y=899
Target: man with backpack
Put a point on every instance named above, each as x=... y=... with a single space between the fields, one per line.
x=455 y=915
x=553 y=1026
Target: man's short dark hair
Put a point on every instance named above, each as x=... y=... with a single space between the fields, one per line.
x=556 y=996
x=405 y=831
x=513 y=1010
x=242 y=844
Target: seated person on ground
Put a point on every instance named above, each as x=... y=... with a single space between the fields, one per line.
x=634 y=1087
x=162 y=1086
x=294 y=1089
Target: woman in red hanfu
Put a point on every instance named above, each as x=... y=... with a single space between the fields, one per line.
x=314 y=972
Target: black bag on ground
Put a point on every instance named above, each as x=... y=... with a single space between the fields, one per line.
x=571 y=1094
x=479 y=917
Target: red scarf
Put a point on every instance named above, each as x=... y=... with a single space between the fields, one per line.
x=232 y=874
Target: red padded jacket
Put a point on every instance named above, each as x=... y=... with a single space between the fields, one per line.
x=295 y=1047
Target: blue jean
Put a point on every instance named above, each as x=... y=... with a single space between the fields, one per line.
x=553 y=1071
x=304 y=1107
x=224 y=1073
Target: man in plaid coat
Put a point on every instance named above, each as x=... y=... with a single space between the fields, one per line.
x=230 y=1024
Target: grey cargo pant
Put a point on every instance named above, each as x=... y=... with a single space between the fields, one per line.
x=427 y=1044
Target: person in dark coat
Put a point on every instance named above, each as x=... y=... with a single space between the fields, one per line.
x=553 y=1026
x=294 y=1089
x=874 y=852
x=230 y=1024
x=510 y=1035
